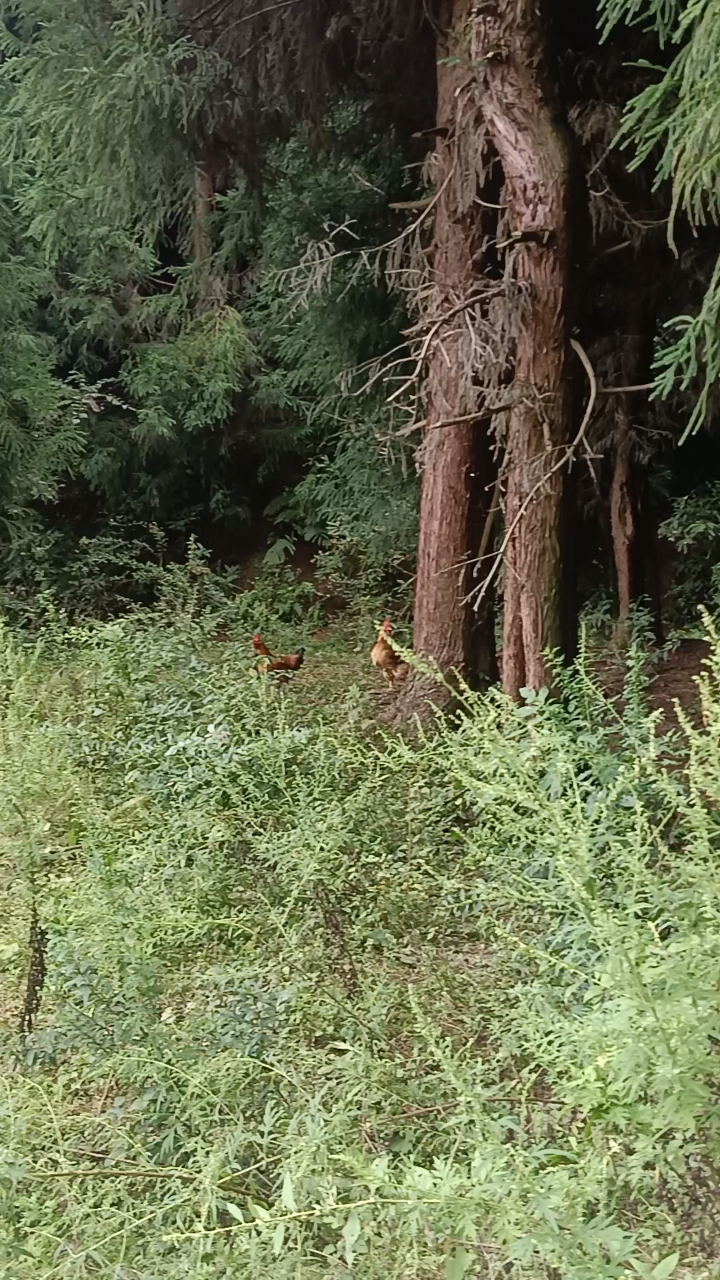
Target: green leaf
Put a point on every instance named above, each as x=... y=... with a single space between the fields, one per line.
x=288 y=1194
x=640 y=1267
x=457 y=1264
x=352 y=1228
x=351 y=1232
x=278 y=1239
x=278 y=550
x=666 y=1267
x=234 y=1211
x=259 y=1212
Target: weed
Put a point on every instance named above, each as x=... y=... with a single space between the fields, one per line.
x=317 y=999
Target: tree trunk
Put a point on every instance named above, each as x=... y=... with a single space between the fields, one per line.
x=649 y=553
x=622 y=519
x=456 y=464
x=211 y=287
x=204 y=197
x=485 y=513
x=534 y=151
x=628 y=537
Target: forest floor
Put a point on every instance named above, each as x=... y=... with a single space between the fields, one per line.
x=673 y=679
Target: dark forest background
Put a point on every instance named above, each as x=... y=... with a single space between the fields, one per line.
x=215 y=251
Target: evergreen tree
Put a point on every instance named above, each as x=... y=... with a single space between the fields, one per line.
x=675 y=122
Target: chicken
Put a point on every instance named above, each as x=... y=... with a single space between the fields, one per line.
x=260 y=646
x=287 y=663
x=281 y=667
x=383 y=655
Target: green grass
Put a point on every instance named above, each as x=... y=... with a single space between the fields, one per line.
x=322 y=1000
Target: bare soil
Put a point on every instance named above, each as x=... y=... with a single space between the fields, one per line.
x=674 y=681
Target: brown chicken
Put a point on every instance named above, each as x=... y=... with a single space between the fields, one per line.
x=383 y=655
x=260 y=646
x=288 y=662
x=281 y=667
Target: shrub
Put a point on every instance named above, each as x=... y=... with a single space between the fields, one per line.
x=319 y=999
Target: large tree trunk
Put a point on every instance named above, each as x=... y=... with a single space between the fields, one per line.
x=456 y=467
x=533 y=148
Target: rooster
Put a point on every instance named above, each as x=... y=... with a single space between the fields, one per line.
x=282 y=667
x=383 y=655
x=287 y=663
x=260 y=646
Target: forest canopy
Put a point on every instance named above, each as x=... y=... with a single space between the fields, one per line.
x=238 y=244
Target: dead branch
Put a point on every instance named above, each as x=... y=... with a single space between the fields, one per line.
x=443 y=320
x=216 y=7
x=621 y=391
x=482 y=415
x=410 y=204
x=489 y=522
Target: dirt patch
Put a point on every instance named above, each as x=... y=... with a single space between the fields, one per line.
x=676 y=680
x=673 y=681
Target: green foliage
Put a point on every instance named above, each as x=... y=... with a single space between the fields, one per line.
x=48 y=571
x=226 y=373
x=213 y=602
x=317 y=999
x=52 y=575
x=360 y=509
x=322 y=312
x=42 y=421
x=190 y=384
x=694 y=529
x=676 y=123
x=659 y=15
x=695 y=520
x=100 y=104
x=97 y=107
x=43 y=427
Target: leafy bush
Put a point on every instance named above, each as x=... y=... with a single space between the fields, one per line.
x=82 y=577
x=364 y=515
x=694 y=529
x=319 y=999
x=53 y=575
x=225 y=373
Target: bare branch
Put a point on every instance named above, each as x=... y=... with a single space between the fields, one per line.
x=439 y=324
x=217 y=7
x=482 y=415
x=489 y=521
x=617 y=391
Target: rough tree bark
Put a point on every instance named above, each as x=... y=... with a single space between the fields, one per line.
x=456 y=464
x=635 y=570
x=623 y=518
x=532 y=144
x=212 y=286
x=204 y=198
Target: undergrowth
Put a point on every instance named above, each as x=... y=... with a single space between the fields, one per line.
x=319 y=1000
